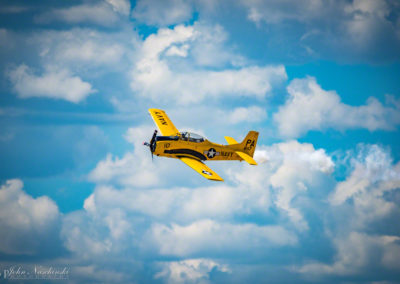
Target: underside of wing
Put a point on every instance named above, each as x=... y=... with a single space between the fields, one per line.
x=201 y=168
x=167 y=128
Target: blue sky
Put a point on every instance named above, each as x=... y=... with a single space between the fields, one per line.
x=319 y=81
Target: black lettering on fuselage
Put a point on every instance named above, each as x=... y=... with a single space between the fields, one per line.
x=249 y=144
x=161 y=118
x=226 y=154
x=167 y=145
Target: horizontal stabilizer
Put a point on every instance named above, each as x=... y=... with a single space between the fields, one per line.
x=246 y=157
x=230 y=140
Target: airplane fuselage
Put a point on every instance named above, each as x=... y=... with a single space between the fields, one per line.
x=177 y=147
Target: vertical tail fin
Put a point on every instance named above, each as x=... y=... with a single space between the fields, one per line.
x=246 y=148
x=249 y=143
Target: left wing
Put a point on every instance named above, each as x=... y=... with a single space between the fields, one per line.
x=201 y=168
x=163 y=122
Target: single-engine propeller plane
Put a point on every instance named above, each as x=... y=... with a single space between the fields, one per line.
x=192 y=149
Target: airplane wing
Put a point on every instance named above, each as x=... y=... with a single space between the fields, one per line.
x=163 y=122
x=201 y=168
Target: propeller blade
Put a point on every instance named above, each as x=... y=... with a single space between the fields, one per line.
x=152 y=144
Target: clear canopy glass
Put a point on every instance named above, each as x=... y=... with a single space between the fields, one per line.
x=192 y=137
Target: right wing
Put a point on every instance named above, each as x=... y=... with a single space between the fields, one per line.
x=201 y=168
x=163 y=122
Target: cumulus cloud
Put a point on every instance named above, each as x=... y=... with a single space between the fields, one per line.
x=83 y=48
x=81 y=236
x=55 y=84
x=92 y=49
x=113 y=216
x=189 y=270
x=189 y=221
x=134 y=168
x=373 y=177
x=135 y=173
x=182 y=205
x=27 y=225
x=163 y=13
x=357 y=204
x=207 y=236
x=309 y=107
x=120 y=6
x=155 y=77
x=356 y=252
x=273 y=12
x=301 y=168
x=251 y=114
x=212 y=221
x=349 y=30
x=104 y=13
x=290 y=170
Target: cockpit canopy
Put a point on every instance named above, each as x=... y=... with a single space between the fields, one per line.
x=192 y=137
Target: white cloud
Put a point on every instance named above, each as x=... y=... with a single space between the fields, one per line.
x=113 y=217
x=213 y=49
x=356 y=252
x=367 y=17
x=360 y=30
x=273 y=12
x=135 y=171
x=374 y=175
x=357 y=204
x=162 y=13
x=250 y=114
x=82 y=48
x=55 y=84
x=134 y=168
x=183 y=205
x=92 y=52
x=192 y=220
x=291 y=169
x=216 y=238
x=120 y=6
x=178 y=51
x=302 y=168
x=104 y=13
x=155 y=77
x=82 y=235
x=26 y=223
x=189 y=270
x=309 y=107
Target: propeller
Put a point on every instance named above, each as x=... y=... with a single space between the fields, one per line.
x=152 y=144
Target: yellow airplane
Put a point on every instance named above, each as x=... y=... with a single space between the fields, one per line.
x=192 y=149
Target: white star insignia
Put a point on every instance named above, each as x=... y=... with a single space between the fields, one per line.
x=211 y=153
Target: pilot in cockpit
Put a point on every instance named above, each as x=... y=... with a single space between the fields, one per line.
x=192 y=137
